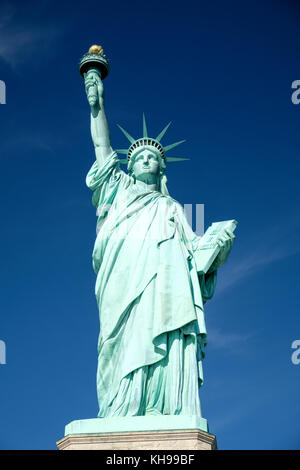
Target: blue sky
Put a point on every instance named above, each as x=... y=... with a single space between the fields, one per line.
x=222 y=72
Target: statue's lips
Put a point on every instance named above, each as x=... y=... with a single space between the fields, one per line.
x=147 y=170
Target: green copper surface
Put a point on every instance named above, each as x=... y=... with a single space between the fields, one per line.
x=153 y=278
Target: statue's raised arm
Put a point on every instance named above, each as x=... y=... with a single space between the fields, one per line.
x=94 y=68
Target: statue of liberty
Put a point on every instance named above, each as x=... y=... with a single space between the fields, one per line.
x=150 y=289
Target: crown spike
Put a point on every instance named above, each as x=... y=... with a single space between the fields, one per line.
x=145 y=132
x=160 y=136
x=124 y=151
x=129 y=137
x=171 y=146
x=176 y=159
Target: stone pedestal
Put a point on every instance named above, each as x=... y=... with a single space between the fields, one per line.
x=153 y=440
x=138 y=433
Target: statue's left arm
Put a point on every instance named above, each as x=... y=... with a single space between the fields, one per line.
x=208 y=280
x=225 y=243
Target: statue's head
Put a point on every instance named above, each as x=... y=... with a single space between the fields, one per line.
x=92 y=90
x=147 y=164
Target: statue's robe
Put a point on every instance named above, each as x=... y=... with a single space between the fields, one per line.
x=150 y=299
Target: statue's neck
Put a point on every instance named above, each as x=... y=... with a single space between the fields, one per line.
x=151 y=186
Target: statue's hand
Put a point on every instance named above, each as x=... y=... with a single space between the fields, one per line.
x=225 y=243
x=94 y=88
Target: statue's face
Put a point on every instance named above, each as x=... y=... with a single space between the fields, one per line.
x=91 y=89
x=146 y=166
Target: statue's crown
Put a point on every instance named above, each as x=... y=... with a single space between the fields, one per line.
x=146 y=141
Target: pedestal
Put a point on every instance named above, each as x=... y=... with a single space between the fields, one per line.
x=138 y=433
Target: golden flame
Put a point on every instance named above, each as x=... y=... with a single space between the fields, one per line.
x=95 y=49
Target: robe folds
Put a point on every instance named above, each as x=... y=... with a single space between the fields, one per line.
x=150 y=299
